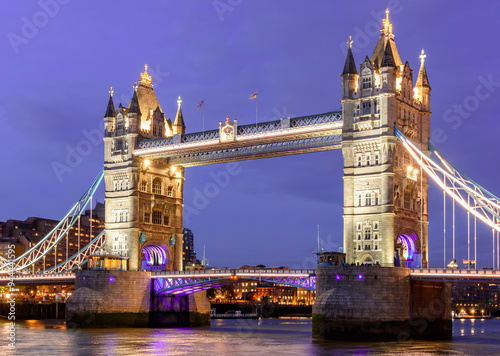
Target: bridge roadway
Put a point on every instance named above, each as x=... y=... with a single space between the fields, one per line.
x=192 y=281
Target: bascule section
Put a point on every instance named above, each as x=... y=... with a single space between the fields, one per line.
x=385 y=191
x=143 y=197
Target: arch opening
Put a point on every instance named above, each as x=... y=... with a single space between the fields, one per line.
x=154 y=257
x=407 y=254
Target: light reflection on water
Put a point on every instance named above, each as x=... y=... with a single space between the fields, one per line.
x=286 y=336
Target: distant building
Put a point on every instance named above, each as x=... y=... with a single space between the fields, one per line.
x=25 y=234
x=474 y=297
x=188 y=253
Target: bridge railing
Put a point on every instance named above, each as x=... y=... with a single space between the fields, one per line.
x=43 y=276
x=454 y=271
x=234 y=271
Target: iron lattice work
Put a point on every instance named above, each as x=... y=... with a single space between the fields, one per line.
x=49 y=242
x=264 y=150
x=289 y=136
x=81 y=257
x=475 y=199
x=195 y=281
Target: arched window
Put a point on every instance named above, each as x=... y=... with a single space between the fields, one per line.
x=170 y=191
x=377 y=159
x=368 y=160
x=359 y=161
x=368 y=234
x=157 y=186
x=367 y=82
x=144 y=186
x=375 y=198
x=166 y=220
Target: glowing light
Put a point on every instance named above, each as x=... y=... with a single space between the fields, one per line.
x=377 y=80
x=147 y=162
x=387 y=25
x=146 y=125
x=111 y=279
x=145 y=77
x=337 y=277
x=173 y=169
x=360 y=276
x=398 y=83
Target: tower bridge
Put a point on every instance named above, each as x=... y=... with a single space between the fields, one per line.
x=383 y=131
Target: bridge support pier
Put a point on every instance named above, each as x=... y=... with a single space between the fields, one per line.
x=371 y=303
x=111 y=298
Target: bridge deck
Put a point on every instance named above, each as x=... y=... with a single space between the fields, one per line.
x=267 y=139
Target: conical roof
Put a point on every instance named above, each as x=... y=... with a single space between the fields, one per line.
x=349 y=66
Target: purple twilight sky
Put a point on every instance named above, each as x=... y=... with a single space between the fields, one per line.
x=59 y=59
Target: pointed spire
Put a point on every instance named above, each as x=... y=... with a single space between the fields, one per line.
x=387 y=25
x=110 y=110
x=133 y=107
x=145 y=77
x=349 y=66
x=422 y=80
x=388 y=58
x=179 y=126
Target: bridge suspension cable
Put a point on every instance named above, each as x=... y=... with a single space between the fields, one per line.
x=478 y=201
x=49 y=242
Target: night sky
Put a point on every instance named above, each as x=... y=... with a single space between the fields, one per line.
x=58 y=61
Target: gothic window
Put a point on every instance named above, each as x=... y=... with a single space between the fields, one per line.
x=119 y=144
x=147 y=217
x=367 y=247
x=367 y=82
x=407 y=200
x=376 y=247
x=377 y=159
x=144 y=186
x=375 y=225
x=157 y=186
x=359 y=160
x=359 y=199
x=358 y=226
x=375 y=198
x=367 y=107
x=368 y=234
x=121 y=216
x=368 y=198
x=368 y=160
x=157 y=217
x=119 y=122
x=359 y=236
x=375 y=236
x=170 y=191
x=359 y=247
x=166 y=220
x=357 y=110
x=154 y=128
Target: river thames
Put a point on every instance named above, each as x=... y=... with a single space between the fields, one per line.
x=285 y=336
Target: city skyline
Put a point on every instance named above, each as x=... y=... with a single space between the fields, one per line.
x=268 y=211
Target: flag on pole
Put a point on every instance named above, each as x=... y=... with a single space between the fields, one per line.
x=201 y=104
x=253 y=96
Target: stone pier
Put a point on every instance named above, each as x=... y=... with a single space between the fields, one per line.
x=125 y=299
x=372 y=303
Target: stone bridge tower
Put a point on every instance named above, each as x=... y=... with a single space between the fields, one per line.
x=385 y=192
x=143 y=200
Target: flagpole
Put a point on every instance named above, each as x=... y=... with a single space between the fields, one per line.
x=203 y=116
x=256 y=107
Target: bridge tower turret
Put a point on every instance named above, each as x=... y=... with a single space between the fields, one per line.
x=385 y=193
x=143 y=221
